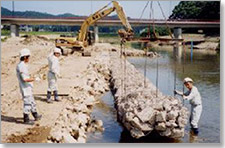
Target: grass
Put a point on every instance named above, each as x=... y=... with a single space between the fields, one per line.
x=4 y=39
x=44 y=33
x=5 y=32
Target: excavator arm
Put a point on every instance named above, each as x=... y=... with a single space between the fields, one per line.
x=91 y=20
x=82 y=36
x=82 y=39
x=122 y=16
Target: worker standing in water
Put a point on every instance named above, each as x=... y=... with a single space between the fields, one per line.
x=26 y=87
x=194 y=97
x=53 y=74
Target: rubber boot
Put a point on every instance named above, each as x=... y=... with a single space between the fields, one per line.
x=27 y=120
x=195 y=131
x=49 y=97
x=36 y=116
x=56 y=95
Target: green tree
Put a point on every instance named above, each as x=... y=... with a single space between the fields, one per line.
x=160 y=31
x=197 y=10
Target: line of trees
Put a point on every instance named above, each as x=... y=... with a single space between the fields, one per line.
x=197 y=10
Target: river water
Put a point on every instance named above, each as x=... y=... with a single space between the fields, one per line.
x=204 y=69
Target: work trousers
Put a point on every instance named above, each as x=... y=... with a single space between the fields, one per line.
x=29 y=105
x=196 y=111
x=52 y=82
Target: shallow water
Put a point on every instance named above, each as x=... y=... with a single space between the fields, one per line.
x=205 y=71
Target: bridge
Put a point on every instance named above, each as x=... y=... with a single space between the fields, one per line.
x=77 y=21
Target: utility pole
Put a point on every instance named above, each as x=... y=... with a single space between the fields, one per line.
x=91 y=7
x=13 y=8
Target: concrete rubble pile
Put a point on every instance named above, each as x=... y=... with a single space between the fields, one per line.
x=97 y=76
x=139 y=110
x=31 y=40
x=138 y=53
x=75 y=120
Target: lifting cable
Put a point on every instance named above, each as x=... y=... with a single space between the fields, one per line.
x=121 y=60
x=153 y=19
x=157 y=61
x=171 y=35
x=175 y=71
x=143 y=12
x=184 y=57
x=125 y=69
x=123 y=64
x=157 y=75
x=145 y=48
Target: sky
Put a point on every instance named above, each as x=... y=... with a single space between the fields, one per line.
x=132 y=9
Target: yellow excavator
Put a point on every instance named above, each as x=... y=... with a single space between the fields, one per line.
x=82 y=40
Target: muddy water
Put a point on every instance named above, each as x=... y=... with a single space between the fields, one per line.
x=204 y=69
x=106 y=112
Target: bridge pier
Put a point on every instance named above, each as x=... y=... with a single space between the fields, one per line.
x=178 y=49
x=177 y=33
x=14 y=28
x=96 y=34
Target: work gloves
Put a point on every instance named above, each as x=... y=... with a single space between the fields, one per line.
x=176 y=92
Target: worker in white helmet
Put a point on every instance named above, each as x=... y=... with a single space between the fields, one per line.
x=53 y=74
x=26 y=87
x=194 y=98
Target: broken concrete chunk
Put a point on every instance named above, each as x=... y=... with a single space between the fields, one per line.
x=172 y=115
x=67 y=138
x=128 y=116
x=161 y=116
x=81 y=140
x=177 y=133
x=136 y=133
x=160 y=126
x=166 y=133
x=146 y=114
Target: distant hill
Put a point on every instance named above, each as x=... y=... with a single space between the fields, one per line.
x=33 y=14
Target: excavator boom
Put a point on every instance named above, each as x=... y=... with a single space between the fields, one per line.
x=101 y=14
x=82 y=39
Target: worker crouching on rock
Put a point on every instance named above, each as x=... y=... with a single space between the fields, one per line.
x=26 y=87
x=194 y=97
x=53 y=74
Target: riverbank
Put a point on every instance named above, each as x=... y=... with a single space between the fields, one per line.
x=81 y=83
x=200 y=42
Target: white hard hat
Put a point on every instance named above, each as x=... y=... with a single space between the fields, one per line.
x=24 y=52
x=188 y=80
x=57 y=50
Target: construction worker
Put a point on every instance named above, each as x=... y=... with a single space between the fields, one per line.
x=53 y=74
x=26 y=87
x=194 y=97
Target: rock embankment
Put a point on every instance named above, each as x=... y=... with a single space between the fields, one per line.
x=75 y=121
x=138 y=107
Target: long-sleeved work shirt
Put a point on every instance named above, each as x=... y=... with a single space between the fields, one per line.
x=53 y=63
x=23 y=74
x=193 y=96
